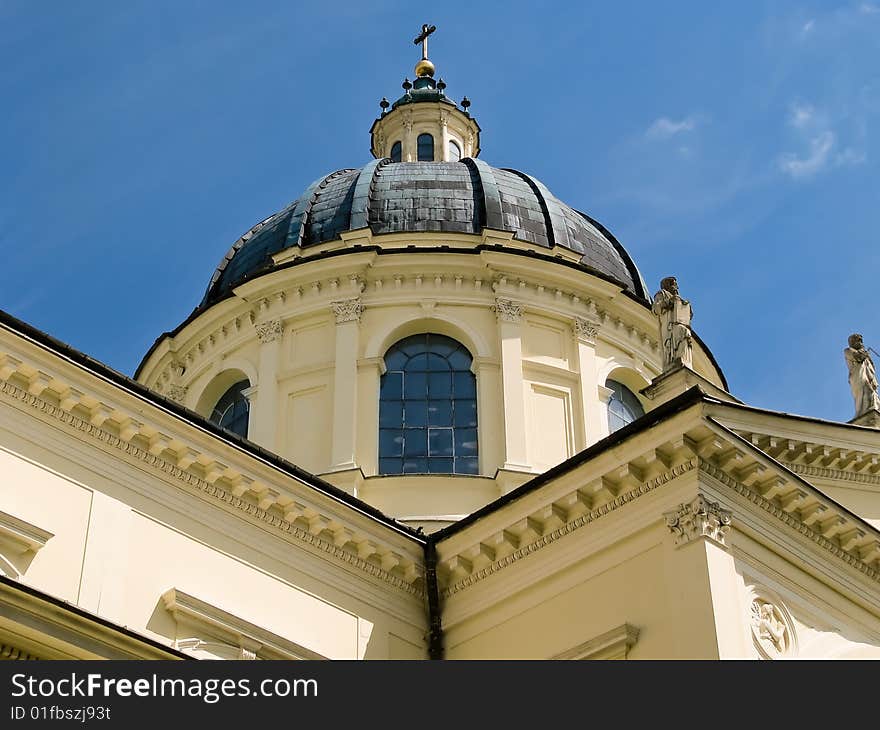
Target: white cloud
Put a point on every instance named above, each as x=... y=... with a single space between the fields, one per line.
x=815 y=131
x=664 y=127
x=850 y=156
x=818 y=157
x=869 y=8
x=801 y=115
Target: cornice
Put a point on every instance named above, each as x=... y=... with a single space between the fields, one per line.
x=593 y=310
x=251 y=640
x=340 y=541
x=568 y=528
x=859 y=544
x=837 y=474
x=705 y=446
x=20 y=536
x=613 y=644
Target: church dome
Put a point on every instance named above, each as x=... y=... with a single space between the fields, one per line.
x=461 y=197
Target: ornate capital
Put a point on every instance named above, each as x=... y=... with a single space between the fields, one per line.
x=348 y=310
x=177 y=393
x=507 y=310
x=270 y=330
x=698 y=518
x=585 y=330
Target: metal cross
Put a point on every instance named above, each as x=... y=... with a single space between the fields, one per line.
x=423 y=38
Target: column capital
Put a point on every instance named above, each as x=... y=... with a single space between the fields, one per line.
x=699 y=518
x=585 y=330
x=270 y=330
x=508 y=310
x=347 y=310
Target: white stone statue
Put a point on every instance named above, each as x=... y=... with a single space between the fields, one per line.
x=675 y=325
x=862 y=376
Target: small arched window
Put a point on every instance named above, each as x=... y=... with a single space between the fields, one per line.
x=428 y=408
x=623 y=407
x=396 y=152
x=426 y=148
x=454 y=151
x=232 y=410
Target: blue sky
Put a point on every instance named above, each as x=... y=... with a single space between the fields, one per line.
x=733 y=145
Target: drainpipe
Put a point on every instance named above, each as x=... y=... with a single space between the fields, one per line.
x=435 y=630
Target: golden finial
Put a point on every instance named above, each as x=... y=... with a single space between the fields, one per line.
x=424 y=67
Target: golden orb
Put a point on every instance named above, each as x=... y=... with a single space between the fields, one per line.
x=424 y=68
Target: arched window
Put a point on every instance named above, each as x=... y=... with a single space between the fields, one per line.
x=426 y=148
x=428 y=408
x=396 y=152
x=231 y=411
x=623 y=407
x=454 y=151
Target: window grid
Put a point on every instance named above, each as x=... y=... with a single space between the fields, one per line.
x=428 y=408
x=425 y=144
x=232 y=410
x=623 y=406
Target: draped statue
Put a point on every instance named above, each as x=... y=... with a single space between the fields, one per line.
x=675 y=324
x=862 y=376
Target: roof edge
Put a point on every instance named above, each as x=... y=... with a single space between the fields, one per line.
x=138 y=390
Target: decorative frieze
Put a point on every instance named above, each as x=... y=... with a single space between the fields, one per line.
x=348 y=310
x=177 y=393
x=270 y=330
x=507 y=310
x=10 y=652
x=407 y=573
x=530 y=545
x=698 y=518
x=585 y=330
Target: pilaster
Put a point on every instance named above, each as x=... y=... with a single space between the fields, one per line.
x=509 y=315
x=585 y=333
x=263 y=424
x=348 y=316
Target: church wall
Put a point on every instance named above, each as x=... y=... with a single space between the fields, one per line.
x=126 y=520
x=544 y=339
x=631 y=583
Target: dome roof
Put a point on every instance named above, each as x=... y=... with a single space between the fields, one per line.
x=418 y=197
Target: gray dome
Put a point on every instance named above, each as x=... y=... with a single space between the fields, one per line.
x=415 y=197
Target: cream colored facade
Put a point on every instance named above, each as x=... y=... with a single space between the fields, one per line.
x=132 y=526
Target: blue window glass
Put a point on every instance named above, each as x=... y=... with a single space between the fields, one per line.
x=425 y=145
x=231 y=411
x=623 y=407
x=428 y=408
x=395 y=152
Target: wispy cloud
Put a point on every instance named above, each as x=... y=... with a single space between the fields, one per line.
x=802 y=115
x=869 y=8
x=664 y=127
x=815 y=131
x=807 y=27
x=816 y=159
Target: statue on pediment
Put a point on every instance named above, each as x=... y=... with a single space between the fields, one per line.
x=675 y=316
x=862 y=376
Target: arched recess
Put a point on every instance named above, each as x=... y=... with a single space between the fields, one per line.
x=215 y=389
x=619 y=411
x=451 y=326
x=428 y=408
x=631 y=378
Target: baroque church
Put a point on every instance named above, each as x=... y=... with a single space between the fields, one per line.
x=428 y=410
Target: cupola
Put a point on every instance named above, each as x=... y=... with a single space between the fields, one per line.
x=424 y=125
